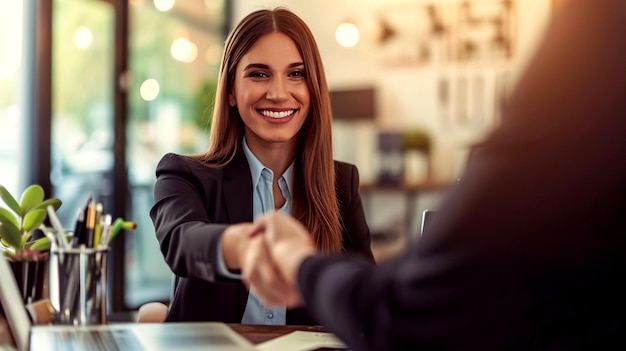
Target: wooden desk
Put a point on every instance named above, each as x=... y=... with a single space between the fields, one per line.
x=257 y=334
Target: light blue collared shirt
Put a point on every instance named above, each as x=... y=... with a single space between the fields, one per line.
x=262 y=202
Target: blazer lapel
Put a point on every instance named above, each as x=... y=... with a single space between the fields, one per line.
x=238 y=189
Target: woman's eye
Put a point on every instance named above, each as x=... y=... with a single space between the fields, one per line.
x=297 y=74
x=258 y=75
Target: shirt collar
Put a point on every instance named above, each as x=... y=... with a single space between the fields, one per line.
x=256 y=167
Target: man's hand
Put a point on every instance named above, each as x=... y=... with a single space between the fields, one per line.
x=281 y=244
x=264 y=279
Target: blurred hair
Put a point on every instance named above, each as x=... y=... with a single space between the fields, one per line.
x=314 y=193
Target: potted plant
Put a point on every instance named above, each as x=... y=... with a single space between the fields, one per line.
x=18 y=222
x=416 y=143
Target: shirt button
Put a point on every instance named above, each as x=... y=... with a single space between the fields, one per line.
x=269 y=315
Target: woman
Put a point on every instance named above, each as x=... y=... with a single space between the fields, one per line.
x=270 y=149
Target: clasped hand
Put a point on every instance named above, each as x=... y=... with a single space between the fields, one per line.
x=276 y=247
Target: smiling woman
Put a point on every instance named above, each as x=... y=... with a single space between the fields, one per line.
x=270 y=150
x=272 y=97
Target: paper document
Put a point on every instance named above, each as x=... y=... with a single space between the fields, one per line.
x=302 y=341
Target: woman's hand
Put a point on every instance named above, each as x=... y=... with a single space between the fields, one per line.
x=235 y=241
x=263 y=277
x=280 y=245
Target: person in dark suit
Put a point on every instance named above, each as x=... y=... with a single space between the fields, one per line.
x=270 y=149
x=528 y=252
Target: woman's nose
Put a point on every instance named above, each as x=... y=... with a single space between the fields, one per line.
x=277 y=89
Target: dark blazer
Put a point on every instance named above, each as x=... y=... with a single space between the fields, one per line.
x=528 y=252
x=195 y=203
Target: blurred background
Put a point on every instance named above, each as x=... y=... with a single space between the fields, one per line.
x=94 y=92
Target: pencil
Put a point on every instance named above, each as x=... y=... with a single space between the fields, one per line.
x=97 y=233
x=90 y=223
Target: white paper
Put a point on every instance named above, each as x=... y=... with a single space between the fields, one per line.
x=301 y=341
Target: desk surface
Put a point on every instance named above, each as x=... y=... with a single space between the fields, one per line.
x=259 y=333
x=254 y=333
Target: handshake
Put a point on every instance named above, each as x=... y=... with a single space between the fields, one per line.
x=269 y=253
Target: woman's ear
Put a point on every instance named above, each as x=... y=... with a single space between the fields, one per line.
x=231 y=100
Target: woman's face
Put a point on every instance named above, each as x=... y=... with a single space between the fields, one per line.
x=270 y=91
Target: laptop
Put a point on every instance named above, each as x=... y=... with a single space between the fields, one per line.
x=208 y=336
x=427 y=219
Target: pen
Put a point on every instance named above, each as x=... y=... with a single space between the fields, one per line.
x=118 y=225
x=80 y=231
x=90 y=224
x=98 y=225
x=129 y=225
x=79 y=228
x=105 y=228
x=56 y=223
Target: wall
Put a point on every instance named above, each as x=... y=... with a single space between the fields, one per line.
x=414 y=89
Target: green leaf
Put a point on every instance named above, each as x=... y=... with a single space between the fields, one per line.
x=31 y=197
x=11 y=235
x=10 y=225
x=55 y=203
x=41 y=244
x=9 y=200
x=33 y=219
x=10 y=254
x=24 y=241
x=8 y=217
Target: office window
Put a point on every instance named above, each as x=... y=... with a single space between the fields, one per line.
x=174 y=58
x=11 y=97
x=82 y=104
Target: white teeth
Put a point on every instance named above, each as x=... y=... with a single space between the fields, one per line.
x=281 y=114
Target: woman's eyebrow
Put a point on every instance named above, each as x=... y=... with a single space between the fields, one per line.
x=264 y=66
x=256 y=66
x=295 y=64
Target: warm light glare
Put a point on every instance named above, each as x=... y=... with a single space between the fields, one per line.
x=347 y=34
x=164 y=5
x=149 y=89
x=83 y=37
x=212 y=6
x=184 y=50
x=193 y=53
x=213 y=54
x=10 y=37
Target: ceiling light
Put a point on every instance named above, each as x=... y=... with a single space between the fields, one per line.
x=164 y=5
x=347 y=34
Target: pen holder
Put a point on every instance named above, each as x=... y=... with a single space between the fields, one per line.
x=77 y=285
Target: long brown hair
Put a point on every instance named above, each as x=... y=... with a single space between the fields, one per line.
x=314 y=192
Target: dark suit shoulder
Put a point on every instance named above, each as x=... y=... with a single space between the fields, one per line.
x=343 y=167
x=175 y=161
x=181 y=164
x=344 y=172
x=346 y=179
